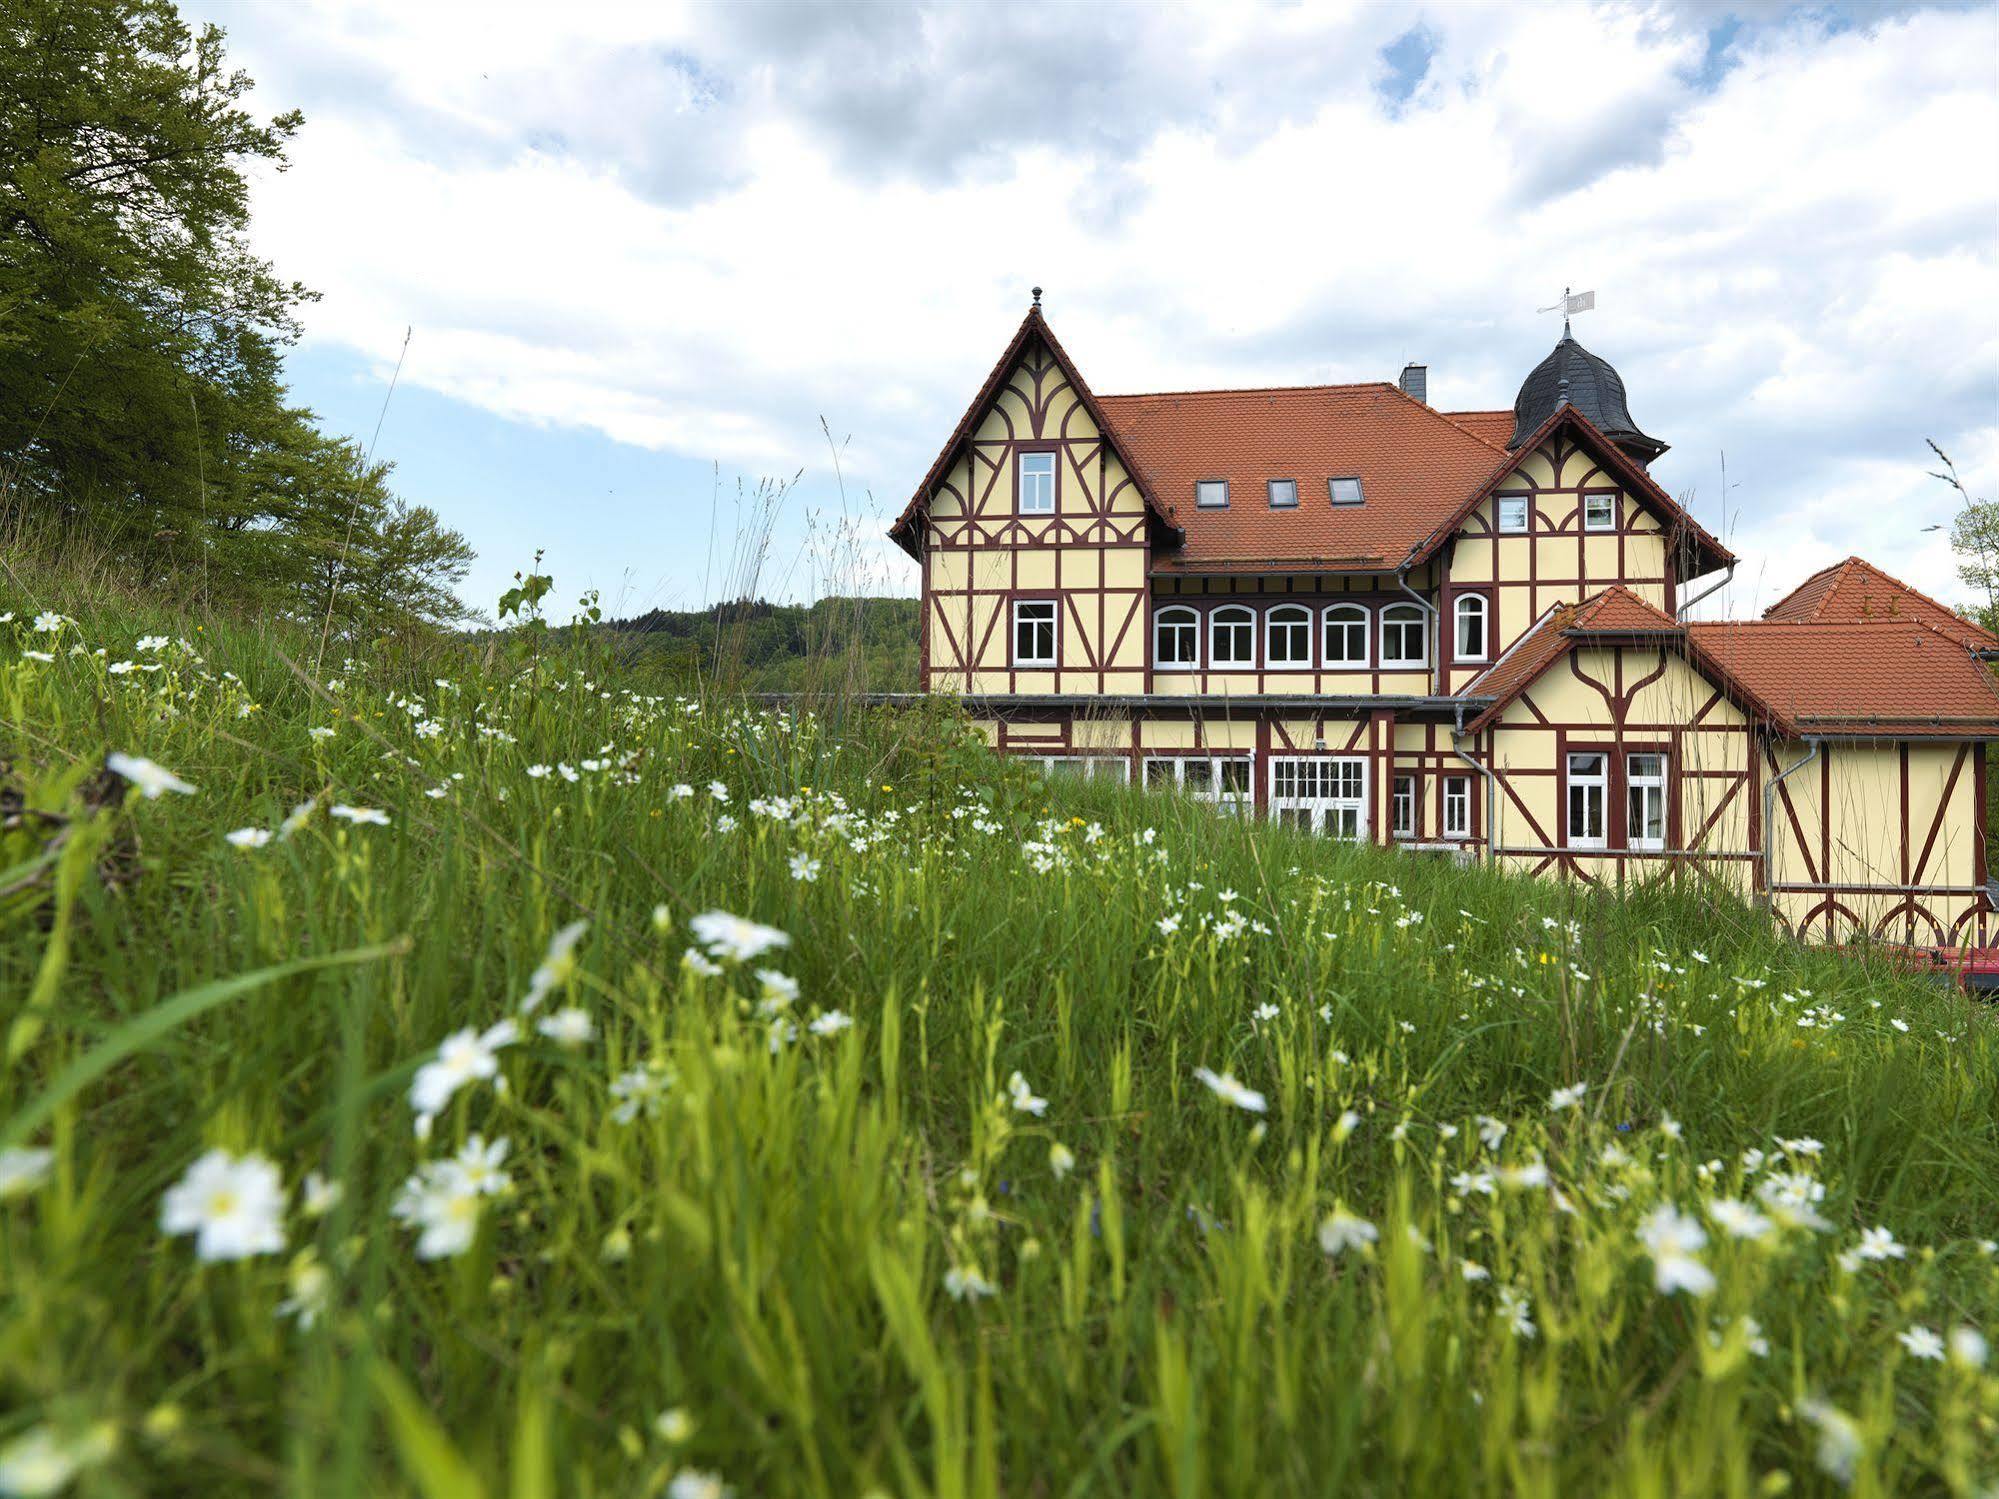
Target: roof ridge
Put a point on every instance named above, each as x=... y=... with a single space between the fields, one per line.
x=1249 y=390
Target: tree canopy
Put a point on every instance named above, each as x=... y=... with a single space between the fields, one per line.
x=142 y=392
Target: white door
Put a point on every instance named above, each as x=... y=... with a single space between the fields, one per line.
x=1325 y=793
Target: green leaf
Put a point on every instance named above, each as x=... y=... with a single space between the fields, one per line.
x=143 y=1030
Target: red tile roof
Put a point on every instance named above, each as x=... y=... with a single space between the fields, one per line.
x=1897 y=679
x=1414 y=465
x=1855 y=591
x=1495 y=427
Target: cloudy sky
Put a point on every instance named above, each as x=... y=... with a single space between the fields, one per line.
x=649 y=256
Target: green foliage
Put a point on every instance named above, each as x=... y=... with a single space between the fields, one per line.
x=864 y=644
x=142 y=400
x=994 y=1236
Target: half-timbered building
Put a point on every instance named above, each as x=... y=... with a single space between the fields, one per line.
x=1467 y=631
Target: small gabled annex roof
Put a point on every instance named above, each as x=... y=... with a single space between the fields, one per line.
x=1857 y=592
x=1033 y=326
x=1710 y=554
x=1886 y=679
x=1614 y=615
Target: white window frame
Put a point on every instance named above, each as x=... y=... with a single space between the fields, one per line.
x=1213 y=792
x=1484 y=612
x=1587 y=782
x=1505 y=503
x=1648 y=788
x=1609 y=503
x=1399 y=614
x=1346 y=615
x=1457 y=807
x=1240 y=617
x=1176 y=617
x=1095 y=767
x=1054 y=623
x=1291 y=617
x=1273 y=487
x=1402 y=806
x=1021 y=488
x=1209 y=486
x=1325 y=793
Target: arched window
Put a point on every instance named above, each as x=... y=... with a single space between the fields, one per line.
x=1176 y=639
x=1232 y=637
x=1289 y=631
x=1470 y=614
x=1346 y=636
x=1403 y=638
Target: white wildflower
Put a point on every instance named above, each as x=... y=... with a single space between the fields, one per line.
x=233 y=1205
x=152 y=780
x=1225 y=1087
x=1343 y=1231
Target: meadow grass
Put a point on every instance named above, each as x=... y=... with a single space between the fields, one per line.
x=1105 y=1145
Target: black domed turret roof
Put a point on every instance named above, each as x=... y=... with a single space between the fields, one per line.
x=1593 y=388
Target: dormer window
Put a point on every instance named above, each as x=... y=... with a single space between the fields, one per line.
x=1283 y=494
x=1344 y=491
x=1211 y=494
x=1599 y=512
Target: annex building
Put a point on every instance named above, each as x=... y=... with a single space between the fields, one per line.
x=1344 y=609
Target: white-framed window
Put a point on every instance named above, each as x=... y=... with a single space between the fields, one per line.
x=1599 y=512
x=1513 y=512
x=1288 y=629
x=1034 y=484
x=1404 y=640
x=1283 y=494
x=1034 y=632
x=1346 y=636
x=1232 y=636
x=1211 y=494
x=1589 y=785
x=1323 y=793
x=1469 y=615
x=1457 y=806
x=1343 y=491
x=1645 y=802
x=1221 y=779
x=1176 y=639
x=1085 y=767
x=1404 y=806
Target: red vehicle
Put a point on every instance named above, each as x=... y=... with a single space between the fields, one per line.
x=1973 y=969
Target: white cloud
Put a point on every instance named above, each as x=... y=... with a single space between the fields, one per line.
x=699 y=230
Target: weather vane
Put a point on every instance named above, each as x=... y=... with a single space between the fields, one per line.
x=1571 y=303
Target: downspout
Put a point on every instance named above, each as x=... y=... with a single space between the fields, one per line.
x=1770 y=821
x=1686 y=604
x=1491 y=779
x=1436 y=630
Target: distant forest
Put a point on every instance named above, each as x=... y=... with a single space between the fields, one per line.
x=859 y=644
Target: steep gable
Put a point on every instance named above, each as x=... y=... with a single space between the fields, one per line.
x=1709 y=553
x=905 y=532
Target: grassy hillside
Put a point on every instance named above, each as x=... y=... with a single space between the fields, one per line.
x=997 y=1136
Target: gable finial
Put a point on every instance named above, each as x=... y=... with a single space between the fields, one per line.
x=1562 y=393
x=1037 y=297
